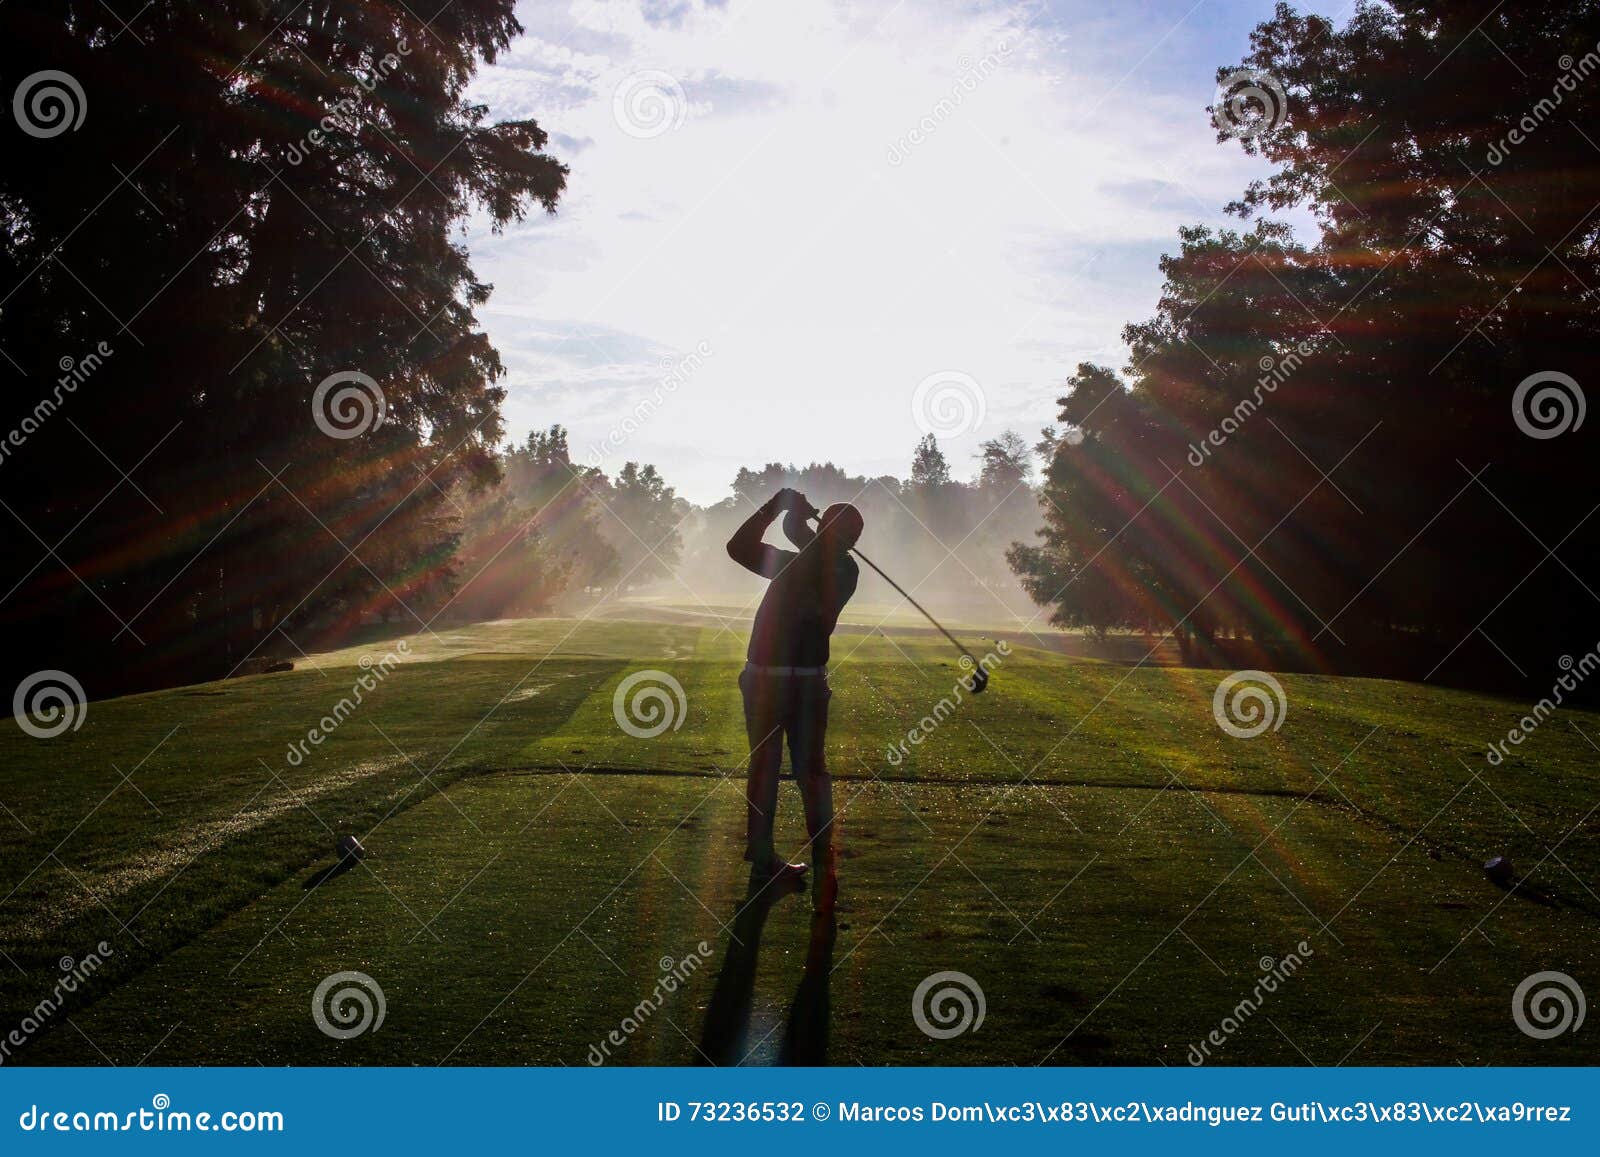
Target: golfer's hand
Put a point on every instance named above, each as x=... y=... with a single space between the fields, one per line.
x=790 y=499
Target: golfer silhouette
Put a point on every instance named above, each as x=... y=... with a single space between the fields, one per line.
x=785 y=677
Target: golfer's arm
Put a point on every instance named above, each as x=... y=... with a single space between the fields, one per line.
x=797 y=530
x=746 y=547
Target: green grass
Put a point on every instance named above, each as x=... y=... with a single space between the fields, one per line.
x=1083 y=840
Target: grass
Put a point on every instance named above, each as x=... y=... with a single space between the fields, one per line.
x=1084 y=841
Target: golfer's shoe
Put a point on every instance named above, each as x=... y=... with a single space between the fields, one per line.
x=778 y=872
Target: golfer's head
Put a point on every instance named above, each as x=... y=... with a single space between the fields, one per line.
x=840 y=526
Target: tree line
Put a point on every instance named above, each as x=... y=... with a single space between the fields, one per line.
x=940 y=537
x=251 y=402
x=227 y=246
x=1365 y=453
x=553 y=536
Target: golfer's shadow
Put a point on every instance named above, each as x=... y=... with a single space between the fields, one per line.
x=727 y=1029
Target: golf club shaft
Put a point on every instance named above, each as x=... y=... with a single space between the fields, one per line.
x=914 y=603
x=905 y=595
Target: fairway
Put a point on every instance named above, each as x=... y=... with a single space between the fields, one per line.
x=1085 y=842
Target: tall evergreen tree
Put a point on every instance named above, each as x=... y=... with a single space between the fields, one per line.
x=259 y=196
x=1358 y=453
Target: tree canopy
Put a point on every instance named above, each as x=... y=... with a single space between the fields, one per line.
x=1365 y=453
x=253 y=222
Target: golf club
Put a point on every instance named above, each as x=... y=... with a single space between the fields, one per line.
x=980 y=677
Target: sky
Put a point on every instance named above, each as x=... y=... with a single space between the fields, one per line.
x=815 y=230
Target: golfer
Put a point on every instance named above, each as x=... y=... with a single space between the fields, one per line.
x=785 y=680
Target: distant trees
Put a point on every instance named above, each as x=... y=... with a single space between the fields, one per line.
x=526 y=538
x=551 y=530
x=640 y=517
x=929 y=469
x=543 y=477
x=256 y=199
x=1326 y=448
x=941 y=537
x=1006 y=464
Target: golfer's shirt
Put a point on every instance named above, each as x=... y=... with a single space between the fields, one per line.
x=802 y=604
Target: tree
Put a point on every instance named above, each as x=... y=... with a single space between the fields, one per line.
x=292 y=179
x=639 y=516
x=504 y=565
x=929 y=468
x=545 y=480
x=1006 y=463
x=1308 y=442
x=944 y=543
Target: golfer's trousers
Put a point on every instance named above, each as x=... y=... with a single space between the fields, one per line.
x=793 y=707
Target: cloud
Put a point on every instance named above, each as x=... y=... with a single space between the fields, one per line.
x=849 y=197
